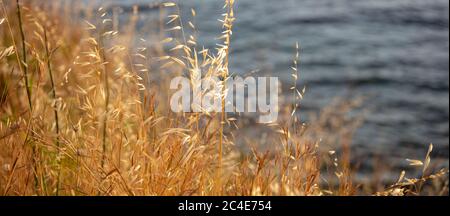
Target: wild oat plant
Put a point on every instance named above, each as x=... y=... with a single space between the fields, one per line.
x=84 y=111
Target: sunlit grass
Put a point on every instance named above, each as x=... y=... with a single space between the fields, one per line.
x=84 y=112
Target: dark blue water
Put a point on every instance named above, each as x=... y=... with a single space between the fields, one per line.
x=395 y=52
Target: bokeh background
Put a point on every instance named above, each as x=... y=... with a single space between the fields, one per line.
x=394 y=53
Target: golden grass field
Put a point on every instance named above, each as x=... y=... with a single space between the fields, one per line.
x=81 y=114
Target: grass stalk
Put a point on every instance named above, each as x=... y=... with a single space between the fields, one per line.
x=24 y=56
x=107 y=98
x=55 y=110
x=24 y=65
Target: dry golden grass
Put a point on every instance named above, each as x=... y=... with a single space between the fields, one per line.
x=84 y=112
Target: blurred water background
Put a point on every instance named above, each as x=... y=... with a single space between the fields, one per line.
x=394 y=52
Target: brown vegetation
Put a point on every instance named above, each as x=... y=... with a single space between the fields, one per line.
x=82 y=114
